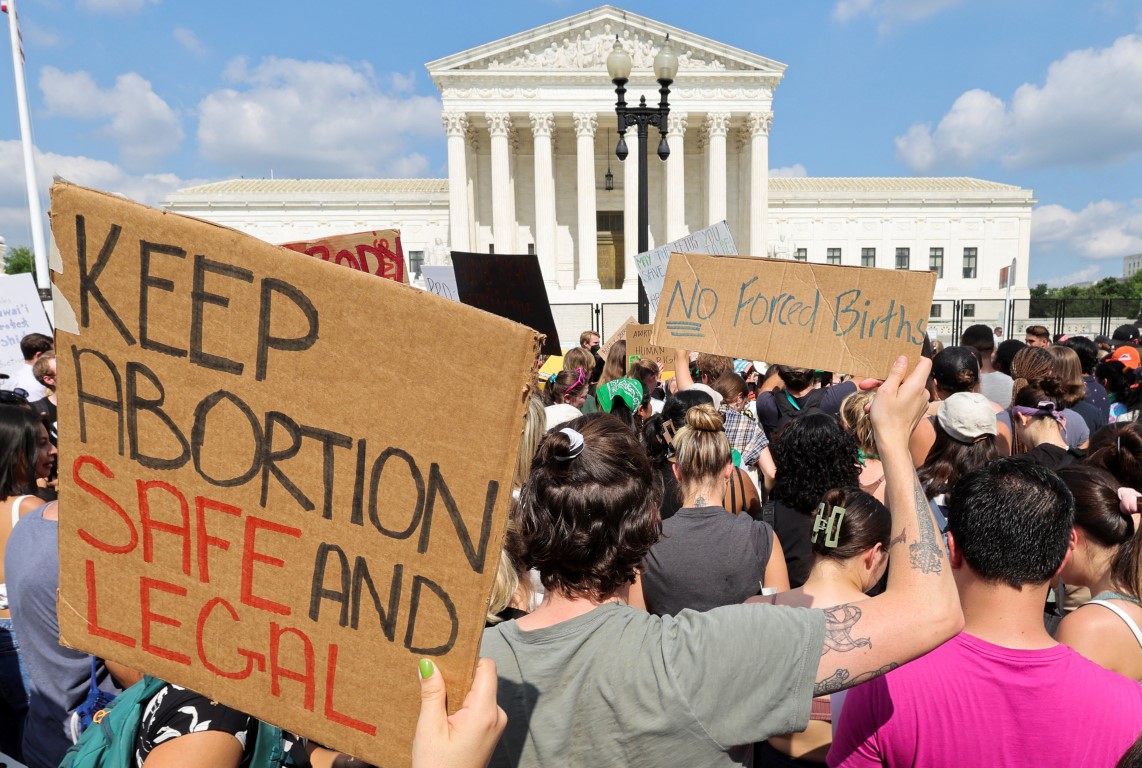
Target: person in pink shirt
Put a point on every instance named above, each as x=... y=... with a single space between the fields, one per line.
x=1002 y=692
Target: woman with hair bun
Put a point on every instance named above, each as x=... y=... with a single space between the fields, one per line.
x=1040 y=427
x=587 y=680
x=1107 y=559
x=707 y=556
x=1035 y=365
x=850 y=554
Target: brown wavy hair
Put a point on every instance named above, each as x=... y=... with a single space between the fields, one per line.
x=616 y=365
x=949 y=460
x=1067 y=368
x=587 y=519
x=1117 y=448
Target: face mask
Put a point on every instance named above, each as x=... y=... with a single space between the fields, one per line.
x=595 y=347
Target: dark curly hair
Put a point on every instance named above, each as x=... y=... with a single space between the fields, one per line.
x=813 y=454
x=585 y=523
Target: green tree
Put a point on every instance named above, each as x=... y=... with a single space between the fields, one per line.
x=18 y=260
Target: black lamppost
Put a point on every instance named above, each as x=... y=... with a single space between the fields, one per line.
x=642 y=116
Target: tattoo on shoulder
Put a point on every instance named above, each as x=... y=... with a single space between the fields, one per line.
x=926 y=554
x=842 y=679
x=840 y=621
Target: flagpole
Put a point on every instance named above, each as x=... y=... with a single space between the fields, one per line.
x=35 y=212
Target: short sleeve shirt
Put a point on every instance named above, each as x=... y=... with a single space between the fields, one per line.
x=617 y=686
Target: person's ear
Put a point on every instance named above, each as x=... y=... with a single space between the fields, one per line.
x=677 y=474
x=1072 y=543
x=728 y=470
x=955 y=556
x=871 y=556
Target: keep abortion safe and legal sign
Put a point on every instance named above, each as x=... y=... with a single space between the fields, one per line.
x=846 y=319
x=247 y=507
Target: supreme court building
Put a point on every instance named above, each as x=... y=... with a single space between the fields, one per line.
x=530 y=127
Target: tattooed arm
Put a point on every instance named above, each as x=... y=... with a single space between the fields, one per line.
x=920 y=608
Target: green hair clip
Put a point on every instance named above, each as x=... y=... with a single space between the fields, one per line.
x=830 y=525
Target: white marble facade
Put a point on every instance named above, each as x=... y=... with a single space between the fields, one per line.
x=530 y=128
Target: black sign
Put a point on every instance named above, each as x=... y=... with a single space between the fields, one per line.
x=510 y=286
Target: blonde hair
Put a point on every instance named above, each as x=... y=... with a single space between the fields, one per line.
x=855 y=419
x=578 y=358
x=504 y=587
x=534 y=425
x=701 y=448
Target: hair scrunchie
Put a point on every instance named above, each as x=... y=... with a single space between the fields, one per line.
x=576 y=445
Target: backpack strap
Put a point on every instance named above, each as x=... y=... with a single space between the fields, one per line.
x=268 y=750
x=110 y=741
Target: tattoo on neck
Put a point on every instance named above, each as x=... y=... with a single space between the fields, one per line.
x=701 y=502
x=927 y=554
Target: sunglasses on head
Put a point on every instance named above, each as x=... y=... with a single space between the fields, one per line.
x=16 y=395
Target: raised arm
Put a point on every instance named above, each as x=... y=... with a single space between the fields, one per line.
x=682 y=369
x=920 y=609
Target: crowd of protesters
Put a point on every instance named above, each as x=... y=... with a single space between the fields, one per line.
x=731 y=563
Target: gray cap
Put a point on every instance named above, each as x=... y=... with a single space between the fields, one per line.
x=967 y=416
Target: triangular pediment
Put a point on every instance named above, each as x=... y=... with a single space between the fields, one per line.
x=582 y=42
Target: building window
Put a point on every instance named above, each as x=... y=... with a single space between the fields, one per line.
x=801 y=254
x=970 y=256
x=902 y=256
x=969 y=310
x=415 y=261
x=868 y=257
x=531 y=249
x=936 y=261
x=832 y=255
x=937 y=311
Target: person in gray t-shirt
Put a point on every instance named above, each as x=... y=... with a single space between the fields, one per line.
x=587 y=680
x=707 y=557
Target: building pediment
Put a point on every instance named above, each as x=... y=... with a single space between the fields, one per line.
x=582 y=42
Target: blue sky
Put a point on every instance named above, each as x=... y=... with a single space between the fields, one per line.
x=146 y=96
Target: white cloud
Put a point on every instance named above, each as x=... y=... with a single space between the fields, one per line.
x=114 y=6
x=1106 y=229
x=1088 y=111
x=41 y=37
x=189 y=41
x=145 y=128
x=890 y=13
x=148 y=188
x=1081 y=276
x=795 y=171
x=309 y=118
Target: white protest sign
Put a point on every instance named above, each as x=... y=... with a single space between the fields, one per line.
x=441 y=280
x=715 y=240
x=21 y=313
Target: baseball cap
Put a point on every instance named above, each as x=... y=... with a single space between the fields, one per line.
x=1127 y=332
x=967 y=416
x=1128 y=356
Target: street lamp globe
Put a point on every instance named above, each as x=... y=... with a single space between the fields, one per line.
x=618 y=62
x=665 y=63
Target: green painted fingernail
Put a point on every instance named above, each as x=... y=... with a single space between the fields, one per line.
x=425 y=669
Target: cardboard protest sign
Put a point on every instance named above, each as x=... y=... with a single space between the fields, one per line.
x=21 y=313
x=715 y=239
x=378 y=253
x=441 y=280
x=620 y=334
x=508 y=285
x=640 y=346
x=249 y=505
x=847 y=319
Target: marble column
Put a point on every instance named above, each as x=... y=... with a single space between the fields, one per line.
x=585 y=125
x=503 y=204
x=456 y=128
x=542 y=128
x=717 y=125
x=630 y=213
x=759 y=123
x=676 y=177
